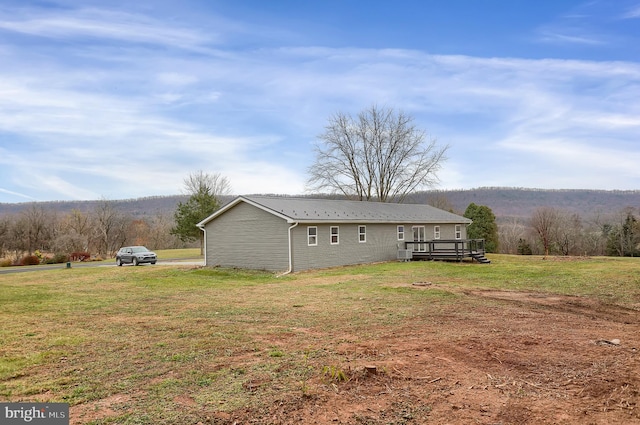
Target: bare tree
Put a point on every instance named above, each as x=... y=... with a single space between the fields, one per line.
x=74 y=234
x=380 y=155
x=160 y=232
x=510 y=234
x=570 y=234
x=78 y=222
x=35 y=222
x=18 y=235
x=110 y=228
x=545 y=222
x=5 y=229
x=199 y=183
x=440 y=200
x=596 y=233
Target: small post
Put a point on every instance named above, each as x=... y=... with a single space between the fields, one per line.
x=371 y=370
x=68 y=264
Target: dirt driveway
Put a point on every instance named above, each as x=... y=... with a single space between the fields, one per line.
x=541 y=360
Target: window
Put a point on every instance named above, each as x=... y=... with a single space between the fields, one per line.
x=362 y=234
x=312 y=236
x=400 y=233
x=436 y=232
x=458 y=231
x=334 y=235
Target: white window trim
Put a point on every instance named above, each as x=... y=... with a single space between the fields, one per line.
x=312 y=236
x=458 y=231
x=362 y=233
x=337 y=235
x=399 y=233
x=436 y=232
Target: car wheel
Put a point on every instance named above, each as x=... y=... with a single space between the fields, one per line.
x=118 y=262
x=135 y=261
x=153 y=262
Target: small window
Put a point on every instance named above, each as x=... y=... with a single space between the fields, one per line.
x=458 y=231
x=335 y=235
x=362 y=234
x=436 y=232
x=400 y=233
x=312 y=236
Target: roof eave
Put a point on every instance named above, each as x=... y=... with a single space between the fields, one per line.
x=364 y=221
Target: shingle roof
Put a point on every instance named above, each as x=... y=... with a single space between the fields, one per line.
x=319 y=210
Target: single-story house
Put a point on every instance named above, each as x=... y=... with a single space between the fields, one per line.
x=293 y=234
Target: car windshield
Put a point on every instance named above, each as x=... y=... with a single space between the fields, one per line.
x=139 y=249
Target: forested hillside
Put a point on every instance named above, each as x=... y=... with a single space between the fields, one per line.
x=520 y=203
x=141 y=207
x=505 y=202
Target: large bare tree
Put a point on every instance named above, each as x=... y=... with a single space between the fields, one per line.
x=379 y=155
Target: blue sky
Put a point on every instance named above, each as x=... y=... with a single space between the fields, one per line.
x=116 y=100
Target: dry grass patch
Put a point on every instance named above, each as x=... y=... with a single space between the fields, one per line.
x=349 y=345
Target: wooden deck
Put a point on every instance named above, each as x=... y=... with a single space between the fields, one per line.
x=446 y=249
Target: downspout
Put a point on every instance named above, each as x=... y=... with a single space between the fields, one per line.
x=201 y=227
x=290 y=251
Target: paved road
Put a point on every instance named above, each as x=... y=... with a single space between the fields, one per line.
x=24 y=269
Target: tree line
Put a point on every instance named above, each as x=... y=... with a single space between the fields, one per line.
x=99 y=232
x=102 y=231
x=553 y=231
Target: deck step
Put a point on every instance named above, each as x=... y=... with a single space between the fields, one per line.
x=480 y=258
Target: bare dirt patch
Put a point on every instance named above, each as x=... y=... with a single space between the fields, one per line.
x=513 y=358
x=99 y=409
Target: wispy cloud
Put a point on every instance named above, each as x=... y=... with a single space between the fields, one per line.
x=590 y=24
x=632 y=13
x=83 y=117
x=16 y=194
x=103 y=24
x=548 y=36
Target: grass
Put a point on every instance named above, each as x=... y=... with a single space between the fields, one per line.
x=234 y=339
x=178 y=254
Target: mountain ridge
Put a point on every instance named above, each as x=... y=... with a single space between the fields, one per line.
x=505 y=202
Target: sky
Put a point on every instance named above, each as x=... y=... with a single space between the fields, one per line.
x=124 y=99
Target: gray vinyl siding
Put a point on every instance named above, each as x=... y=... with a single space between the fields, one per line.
x=381 y=245
x=248 y=237
x=447 y=231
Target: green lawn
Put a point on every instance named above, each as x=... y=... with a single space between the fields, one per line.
x=151 y=334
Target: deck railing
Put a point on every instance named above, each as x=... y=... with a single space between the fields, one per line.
x=457 y=249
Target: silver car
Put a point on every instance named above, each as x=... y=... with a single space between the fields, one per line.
x=135 y=255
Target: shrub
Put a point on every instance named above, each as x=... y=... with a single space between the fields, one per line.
x=79 y=256
x=5 y=262
x=29 y=260
x=523 y=247
x=57 y=259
